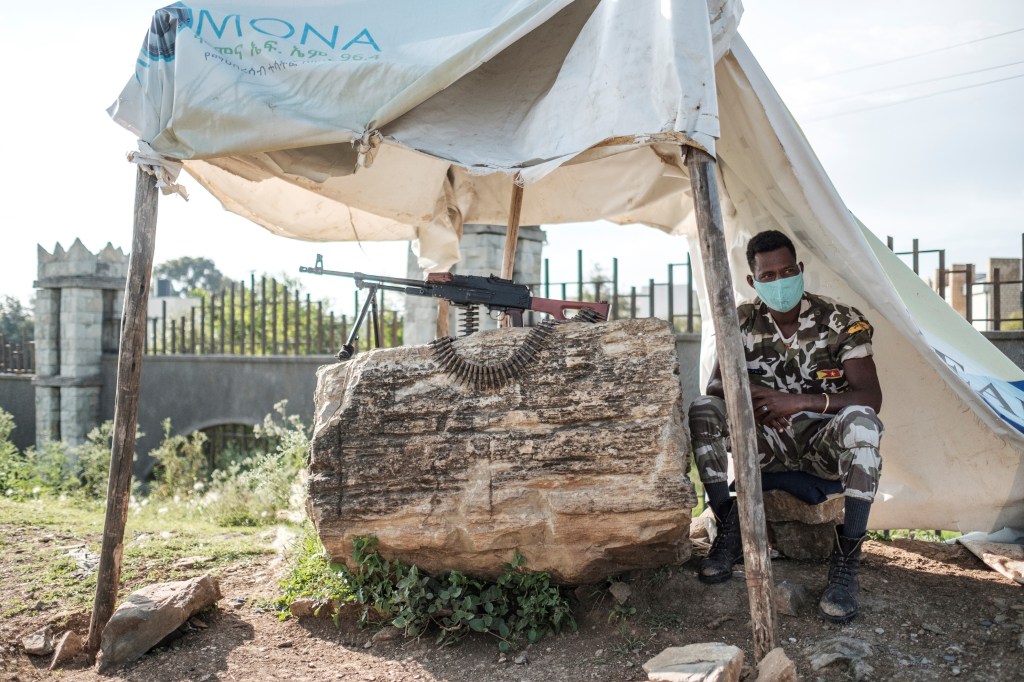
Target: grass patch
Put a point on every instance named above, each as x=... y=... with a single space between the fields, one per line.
x=913 y=534
x=39 y=536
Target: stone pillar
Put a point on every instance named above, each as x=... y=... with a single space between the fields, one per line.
x=78 y=292
x=955 y=288
x=482 y=247
x=47 y=332
x=1009 y=295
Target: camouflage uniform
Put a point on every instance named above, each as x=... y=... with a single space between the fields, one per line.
x=843 y=446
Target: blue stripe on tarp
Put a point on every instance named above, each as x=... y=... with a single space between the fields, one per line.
x=1006 y=398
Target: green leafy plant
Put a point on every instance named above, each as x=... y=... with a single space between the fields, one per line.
x=520 y=605
x=252 y=491
x=16 y=475
x=312 y=576
x=55 y=468
x=92 y=461
x=182 y=467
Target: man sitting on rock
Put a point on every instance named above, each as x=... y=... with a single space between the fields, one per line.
x=815 y=395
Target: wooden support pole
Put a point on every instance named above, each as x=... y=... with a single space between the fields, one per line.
x=443 y=328
x=126 y=403
x=508 y=259
x=731 y=361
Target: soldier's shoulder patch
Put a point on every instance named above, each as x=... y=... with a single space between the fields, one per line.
x=829 y=374
x=859 y=326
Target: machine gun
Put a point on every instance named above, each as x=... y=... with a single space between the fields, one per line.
x=465 y=291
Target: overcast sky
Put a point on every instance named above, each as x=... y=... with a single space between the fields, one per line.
x=945 y=168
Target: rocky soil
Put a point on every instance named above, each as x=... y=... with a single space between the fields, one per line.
x=929 y=612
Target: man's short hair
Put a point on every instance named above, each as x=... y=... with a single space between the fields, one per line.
x=766 y=241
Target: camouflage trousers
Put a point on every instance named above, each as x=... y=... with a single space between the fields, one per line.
x=842 y=447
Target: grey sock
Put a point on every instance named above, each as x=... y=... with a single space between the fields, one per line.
x=855 y=522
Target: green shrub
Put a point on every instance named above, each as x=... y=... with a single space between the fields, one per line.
x=519 y=605
x=311 y=576
x=289 y=436
x=92 y=461
x=251 y=492
x=15 y=470
x=53 y=468
x=182 y=468
x=56 y=468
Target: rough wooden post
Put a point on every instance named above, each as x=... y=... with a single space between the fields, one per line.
x=508 y=260
x=443 y=328
x=126 y=402
x=515 y=207
x=731 y=361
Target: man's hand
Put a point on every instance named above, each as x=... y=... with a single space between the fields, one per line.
x=774 y=408
x=861 y=376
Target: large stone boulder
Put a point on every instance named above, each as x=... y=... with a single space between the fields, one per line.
x=579 y=463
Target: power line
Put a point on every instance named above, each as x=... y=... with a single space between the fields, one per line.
x=921 y=82
x=913 y=99
x=918 y=54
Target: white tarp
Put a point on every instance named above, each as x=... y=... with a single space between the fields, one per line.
x=949 y=460
x=271 y=105
x=590 y=101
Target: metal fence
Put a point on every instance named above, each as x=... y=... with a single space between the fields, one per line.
x=266 y=317
x=17 y=357
x=263 y=318
x=672 y=299
x=1002 y=296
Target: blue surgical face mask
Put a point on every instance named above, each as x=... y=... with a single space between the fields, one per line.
x=781 y=295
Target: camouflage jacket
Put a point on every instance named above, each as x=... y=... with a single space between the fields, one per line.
x=828 y=334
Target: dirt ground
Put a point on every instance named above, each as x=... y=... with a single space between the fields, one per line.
x=929 y=612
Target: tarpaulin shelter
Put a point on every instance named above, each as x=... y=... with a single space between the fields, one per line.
x=382 y=119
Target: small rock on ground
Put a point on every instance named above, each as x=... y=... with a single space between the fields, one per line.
x=39 y=643
x=712 y=660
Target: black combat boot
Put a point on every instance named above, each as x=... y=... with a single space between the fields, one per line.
x=838 y=603
x=726 y=550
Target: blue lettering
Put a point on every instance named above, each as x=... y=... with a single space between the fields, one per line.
x=950 y=362
x=365 y=33
x=307 y=29
x=213 y=25
x=288 y=27
x=990 y=391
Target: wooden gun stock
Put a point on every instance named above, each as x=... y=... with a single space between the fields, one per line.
x=557 y=308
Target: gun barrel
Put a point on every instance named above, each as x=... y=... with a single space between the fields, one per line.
x=362 y=279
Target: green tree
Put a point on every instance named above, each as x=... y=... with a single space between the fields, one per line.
x=189 y=275
x=16 y=323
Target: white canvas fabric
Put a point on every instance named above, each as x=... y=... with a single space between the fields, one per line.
x=416 y=116
x=953 y=445
x=403 y=110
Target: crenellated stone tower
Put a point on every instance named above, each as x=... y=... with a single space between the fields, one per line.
x=78 y=316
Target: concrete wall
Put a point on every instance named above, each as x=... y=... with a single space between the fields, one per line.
x=196 y=392
x=200 y=391
x=17 y=396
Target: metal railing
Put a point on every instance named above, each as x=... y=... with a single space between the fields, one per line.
x=17 y=357
x=265 y=318
x=993 y=287
x=672 y=299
